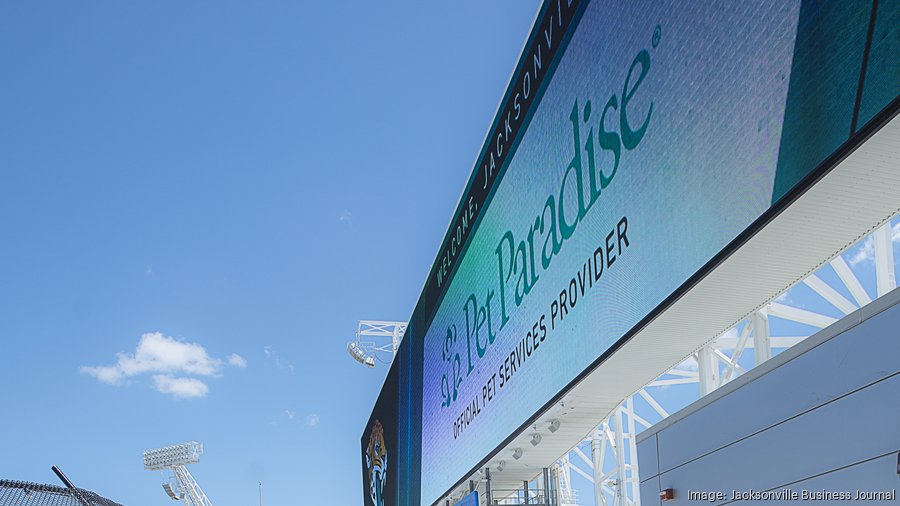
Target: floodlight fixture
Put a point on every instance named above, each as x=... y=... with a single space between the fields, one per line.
x=554 y=425
x=536 y=439
x=173 y=456
x=501 y=465
x=171 y=492
x=517 y=453
x=359 y=355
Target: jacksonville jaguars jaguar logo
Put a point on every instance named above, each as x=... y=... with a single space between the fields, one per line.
x=377 y=462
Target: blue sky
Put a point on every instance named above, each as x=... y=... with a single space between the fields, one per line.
x=199 y=200
x=231 y=185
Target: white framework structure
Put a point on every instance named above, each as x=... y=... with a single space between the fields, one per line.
x=380 y=337
x=607 y=457
x=176 y=458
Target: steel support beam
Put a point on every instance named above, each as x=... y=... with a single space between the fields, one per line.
x=634 y=480
x=884 y=260
x=850 y=281
x=620 y=457
x=762 y=345
x=708 y=368
x=830 y=294
x=800 y=315
x=597 y=456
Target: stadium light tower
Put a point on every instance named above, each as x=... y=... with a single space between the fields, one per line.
x=176 y=458
x=386 y=337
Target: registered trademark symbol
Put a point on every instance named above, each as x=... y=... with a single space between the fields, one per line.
x=657 y=33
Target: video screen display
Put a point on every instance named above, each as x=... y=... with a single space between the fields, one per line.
x=646 y=136
x=653 y=146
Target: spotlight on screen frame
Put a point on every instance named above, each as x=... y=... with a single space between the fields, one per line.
x=517 y=453
x=554 y=425
x=536 y=439
x=359 y=355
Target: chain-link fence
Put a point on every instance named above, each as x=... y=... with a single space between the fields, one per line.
x=22 y=493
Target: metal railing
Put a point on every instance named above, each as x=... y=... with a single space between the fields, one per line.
x=519 y=498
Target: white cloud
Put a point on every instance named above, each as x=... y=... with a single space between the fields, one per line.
x=164 y=356
x=289 y=417
x=237 y=360
x=279 y=364
x=183 y=388
x=864 y=253
x=158 y=353
x=689 y=364
x=346 y=218
x=106 y=374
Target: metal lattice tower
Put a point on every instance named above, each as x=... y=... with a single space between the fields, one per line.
x=176 y=458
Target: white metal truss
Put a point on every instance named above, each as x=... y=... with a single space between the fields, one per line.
x=191 y=493
x=379 y=329
x=607 y=457
x=567 y=495
x=381 y=337
x=612 y=467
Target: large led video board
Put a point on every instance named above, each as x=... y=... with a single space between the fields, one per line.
x=635 y=142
